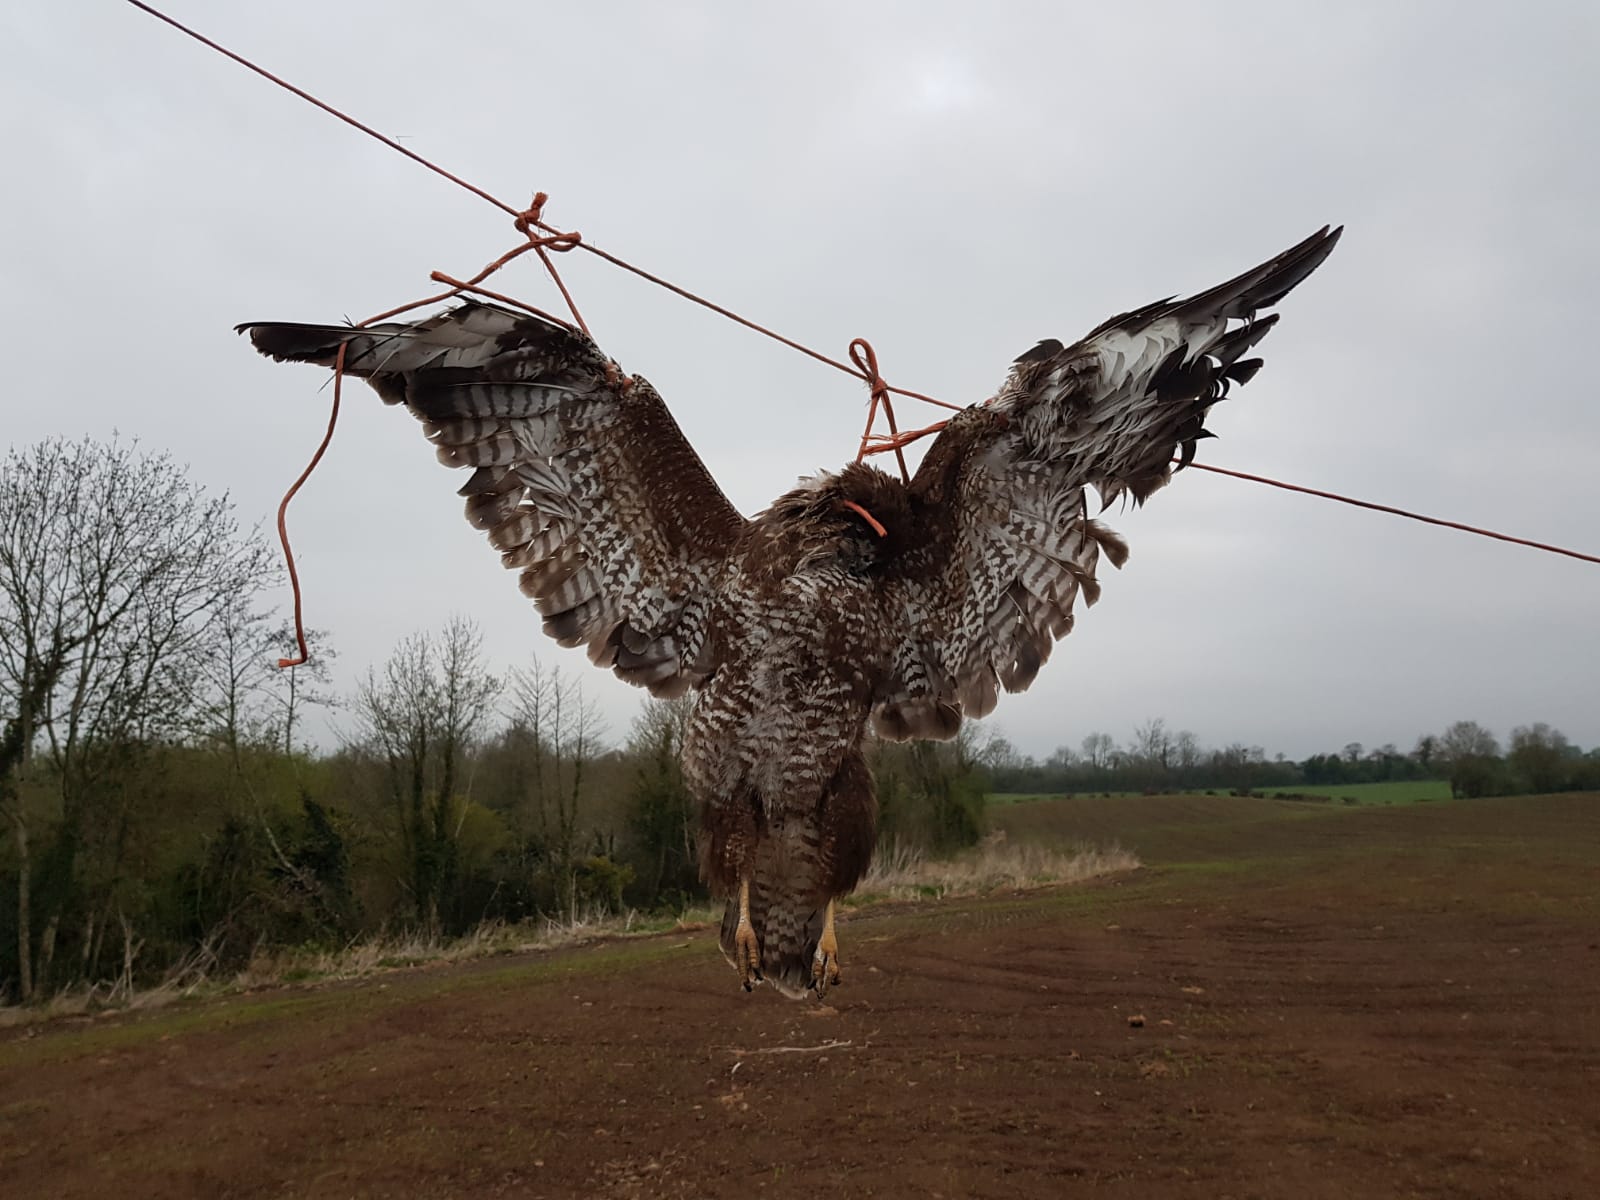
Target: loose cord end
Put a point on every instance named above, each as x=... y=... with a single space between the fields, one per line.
x=283 y=512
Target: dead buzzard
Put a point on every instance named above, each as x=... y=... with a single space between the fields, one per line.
x=799 y=627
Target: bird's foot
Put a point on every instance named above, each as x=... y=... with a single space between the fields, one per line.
x=825 y=962
x=746 y=947
x=747 y=955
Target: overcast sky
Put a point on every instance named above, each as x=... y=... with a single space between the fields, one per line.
x=952 y=181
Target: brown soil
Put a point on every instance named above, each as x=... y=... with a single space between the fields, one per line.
x=1396 y=1004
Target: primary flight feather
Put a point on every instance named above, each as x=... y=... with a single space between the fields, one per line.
x=801 y=627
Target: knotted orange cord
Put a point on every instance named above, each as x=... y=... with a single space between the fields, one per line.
x=866 y=361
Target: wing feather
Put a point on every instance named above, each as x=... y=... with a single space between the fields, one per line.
x=580 y=476
x=1006 y=545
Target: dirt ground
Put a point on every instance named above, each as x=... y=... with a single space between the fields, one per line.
x=1381 y=1004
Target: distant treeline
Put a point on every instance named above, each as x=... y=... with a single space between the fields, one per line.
x=1466 y=755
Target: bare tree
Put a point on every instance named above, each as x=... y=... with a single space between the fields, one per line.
x=557 y=730
x=1186 y=751
x=1153 y=748
x=663 y=819
x=114 y=568
x=1099 y=751
x=251 y=701
x=992 y=750
x=422 y=714
x=291 y=690
x=1062 y=758
x=234 y=675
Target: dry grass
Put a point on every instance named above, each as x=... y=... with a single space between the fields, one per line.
x=997 y=863
x=388 y=951
x=899 y=872
x=369 y=956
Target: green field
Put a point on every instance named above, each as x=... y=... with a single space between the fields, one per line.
x=1400 y=791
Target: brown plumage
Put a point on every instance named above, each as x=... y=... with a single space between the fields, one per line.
x=802 y=627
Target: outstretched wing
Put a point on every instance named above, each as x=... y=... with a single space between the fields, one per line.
x=1005 y=544
x=580 y=476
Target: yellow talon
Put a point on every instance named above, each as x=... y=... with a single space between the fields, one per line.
x=746 y=949
x=825 y=962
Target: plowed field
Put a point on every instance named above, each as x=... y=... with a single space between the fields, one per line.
x=1288 y=1001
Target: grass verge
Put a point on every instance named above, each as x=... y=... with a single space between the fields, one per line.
x=901 y=872
x=898 y=874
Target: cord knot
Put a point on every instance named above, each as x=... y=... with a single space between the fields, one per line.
x=865 y=359
x=531 y=220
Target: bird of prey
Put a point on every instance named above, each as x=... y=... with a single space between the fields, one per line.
x=854 y=602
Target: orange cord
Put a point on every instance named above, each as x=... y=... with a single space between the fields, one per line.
x=871 y=520
x=866 y=361
x=283 y=512
x=1397 y=512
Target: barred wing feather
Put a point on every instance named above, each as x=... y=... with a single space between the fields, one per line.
x=1006 y=544
x=580 y=476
